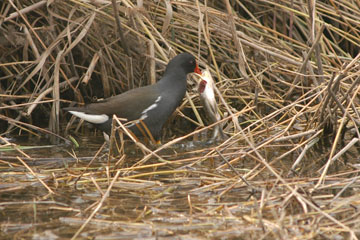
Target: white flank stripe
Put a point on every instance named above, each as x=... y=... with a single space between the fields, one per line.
x=130 y=125
x=96 y=119
x=151 y=107
x=143 y=116
x=144 y=113
x=158 y=99
x=136 y=122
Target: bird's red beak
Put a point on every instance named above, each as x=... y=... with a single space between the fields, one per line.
x=197 y=69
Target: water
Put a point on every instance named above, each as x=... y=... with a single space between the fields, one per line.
x=189 y=197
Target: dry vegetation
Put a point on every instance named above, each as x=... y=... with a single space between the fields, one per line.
x=288 y=77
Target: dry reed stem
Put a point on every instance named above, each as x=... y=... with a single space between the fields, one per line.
x=97 y=208
x=283 y=83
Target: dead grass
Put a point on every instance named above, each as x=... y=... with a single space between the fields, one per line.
x=287 y=76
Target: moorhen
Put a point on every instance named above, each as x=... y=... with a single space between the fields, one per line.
x=152 y=104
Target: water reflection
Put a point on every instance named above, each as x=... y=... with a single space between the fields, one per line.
x=189 y=195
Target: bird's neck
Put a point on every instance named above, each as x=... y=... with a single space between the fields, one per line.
x=174 y=78
x=175 y=82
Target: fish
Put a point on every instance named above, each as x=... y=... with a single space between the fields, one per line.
x=206 y=88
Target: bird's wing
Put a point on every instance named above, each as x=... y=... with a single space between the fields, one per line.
x=131 y=103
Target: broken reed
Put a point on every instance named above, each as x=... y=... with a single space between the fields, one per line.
x=287 y=77
x=278 y=65
x=281 y=68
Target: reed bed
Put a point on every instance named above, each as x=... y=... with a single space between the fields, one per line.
x=287 y=78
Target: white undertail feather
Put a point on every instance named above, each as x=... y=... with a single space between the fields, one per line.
x=92 y=118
